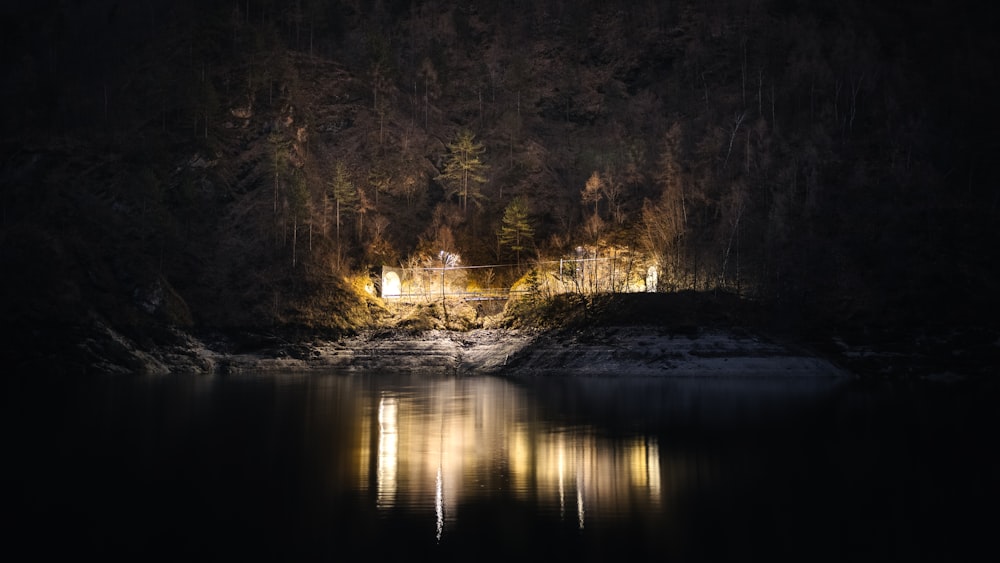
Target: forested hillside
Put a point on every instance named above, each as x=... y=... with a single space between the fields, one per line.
x=250 y=163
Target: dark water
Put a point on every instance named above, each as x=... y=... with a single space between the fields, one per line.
x=347 y=467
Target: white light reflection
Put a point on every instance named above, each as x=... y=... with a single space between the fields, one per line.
x=653 y=469
x=439 y=503
x=388 y=449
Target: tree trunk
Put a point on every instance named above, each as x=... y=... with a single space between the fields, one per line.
x=732 y=137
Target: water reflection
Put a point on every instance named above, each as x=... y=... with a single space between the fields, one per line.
x=461 y=440
x=338 y=467
x=388 y=447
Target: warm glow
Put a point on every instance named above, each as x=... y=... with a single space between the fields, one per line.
x=591 y=269
x=391 y=285
x=388 y=448
x=444 y=451
x=519 y=450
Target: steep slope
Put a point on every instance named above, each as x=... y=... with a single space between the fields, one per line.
x=175 y=164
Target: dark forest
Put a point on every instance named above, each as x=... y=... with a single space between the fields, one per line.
x=253 y=164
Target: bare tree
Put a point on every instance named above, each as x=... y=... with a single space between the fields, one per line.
x=737 y=121
x=592 y=191
x=614 y=192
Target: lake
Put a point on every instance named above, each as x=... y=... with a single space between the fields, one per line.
x=332 y=466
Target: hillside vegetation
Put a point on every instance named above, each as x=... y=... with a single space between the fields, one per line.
x=252 y=165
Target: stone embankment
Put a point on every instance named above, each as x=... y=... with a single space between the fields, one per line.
x=606 y=351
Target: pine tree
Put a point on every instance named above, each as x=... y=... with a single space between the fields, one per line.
x=515 y=228
x=464 y=171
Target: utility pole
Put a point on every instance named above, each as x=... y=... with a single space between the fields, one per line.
x=444 y=307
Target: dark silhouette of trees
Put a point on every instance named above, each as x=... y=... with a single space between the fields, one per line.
x=799 y=152
x=345 y=197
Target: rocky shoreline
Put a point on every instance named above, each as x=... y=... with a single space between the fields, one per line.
x=683 y=349
x=599 y=351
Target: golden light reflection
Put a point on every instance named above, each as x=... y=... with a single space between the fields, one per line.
x=445 y=448
x=388 y=449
